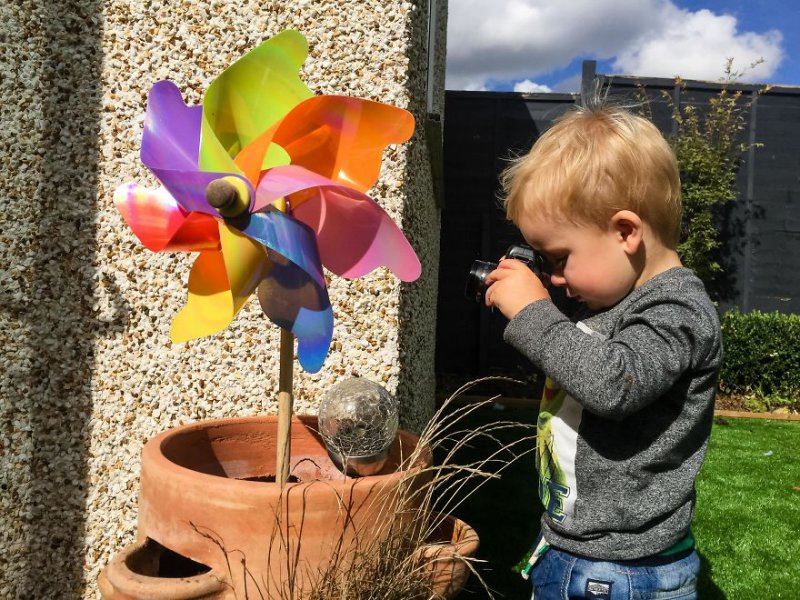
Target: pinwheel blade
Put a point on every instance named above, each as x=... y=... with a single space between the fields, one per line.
x=161 y=224
x=287 y=237
x=251 y=96
x=354 y=234
x=291 y=300
x=170 y=148
x=219 y=285
x=293 y=294
x=171 y=138
x=343 y=138
x=208 y=308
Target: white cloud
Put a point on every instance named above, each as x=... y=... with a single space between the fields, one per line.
x=518 y=39
x=530 y=87
x=475 y=84
x=695 y=45
x=506 y=40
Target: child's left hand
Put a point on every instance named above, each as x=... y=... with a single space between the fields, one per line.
x=512 y=287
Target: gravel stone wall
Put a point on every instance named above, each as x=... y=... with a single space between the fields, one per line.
x=87 y=370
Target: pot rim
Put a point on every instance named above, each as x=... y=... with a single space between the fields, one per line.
x=124 y=579
x=153 y=455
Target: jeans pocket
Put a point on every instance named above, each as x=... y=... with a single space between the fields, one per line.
x=598 y=579
x=674 y=581
x=547 y=576
x=687 y=592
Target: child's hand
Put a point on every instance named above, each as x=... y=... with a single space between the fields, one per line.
x=512 y=287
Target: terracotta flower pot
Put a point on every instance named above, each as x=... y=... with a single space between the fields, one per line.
x=205 y=496
x=148 y=570
x=444 y=554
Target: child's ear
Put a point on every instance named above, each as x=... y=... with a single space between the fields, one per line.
x=627 y=227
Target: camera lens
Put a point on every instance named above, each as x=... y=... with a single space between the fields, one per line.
x=476 y=280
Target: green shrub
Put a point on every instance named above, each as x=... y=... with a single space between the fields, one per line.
x=761 y=358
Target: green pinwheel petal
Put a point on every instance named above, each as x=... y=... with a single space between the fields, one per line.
x=249 y=97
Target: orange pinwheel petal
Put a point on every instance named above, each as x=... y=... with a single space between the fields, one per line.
x=342 y=138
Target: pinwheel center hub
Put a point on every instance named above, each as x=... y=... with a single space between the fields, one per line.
x=229 y=196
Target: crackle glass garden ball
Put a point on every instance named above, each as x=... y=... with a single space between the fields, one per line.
x=358 y=421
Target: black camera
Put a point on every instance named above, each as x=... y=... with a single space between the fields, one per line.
x=476 y=280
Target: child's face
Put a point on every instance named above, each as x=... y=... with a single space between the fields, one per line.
x=593 y=264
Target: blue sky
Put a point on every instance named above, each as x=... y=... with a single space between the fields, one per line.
x=539 y=45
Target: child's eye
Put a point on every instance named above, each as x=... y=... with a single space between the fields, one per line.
x=559 y=263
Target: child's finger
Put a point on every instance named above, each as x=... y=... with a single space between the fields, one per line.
x=497 y=275
x=505 y=269
x=490 y=287
x=511 y=263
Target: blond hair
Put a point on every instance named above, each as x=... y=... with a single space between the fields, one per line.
x=592 y=163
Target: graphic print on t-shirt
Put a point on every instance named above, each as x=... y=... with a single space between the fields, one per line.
x=556 y=439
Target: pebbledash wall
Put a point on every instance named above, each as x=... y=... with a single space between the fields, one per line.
x=88 y=372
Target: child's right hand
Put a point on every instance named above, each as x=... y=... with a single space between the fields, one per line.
x=512 y=287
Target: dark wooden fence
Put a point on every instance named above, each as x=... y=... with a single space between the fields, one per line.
x=761 y=229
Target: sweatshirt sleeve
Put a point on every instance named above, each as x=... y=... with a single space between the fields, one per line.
x=653 y=345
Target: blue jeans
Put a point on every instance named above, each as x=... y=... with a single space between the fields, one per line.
x=559 y=575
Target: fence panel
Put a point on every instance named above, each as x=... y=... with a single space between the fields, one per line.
x=761 y=229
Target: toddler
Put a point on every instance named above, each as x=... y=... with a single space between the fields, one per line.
x=628 y=402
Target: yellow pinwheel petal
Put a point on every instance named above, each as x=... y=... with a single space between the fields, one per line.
x=208 y=308
x=246 y=263
x=219 y=284
x=249 y=97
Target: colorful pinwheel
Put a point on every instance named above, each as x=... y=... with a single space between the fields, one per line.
x=267 y=182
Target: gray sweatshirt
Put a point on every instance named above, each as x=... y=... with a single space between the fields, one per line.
x=626 y=415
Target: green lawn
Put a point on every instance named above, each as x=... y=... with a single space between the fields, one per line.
x=747 y=524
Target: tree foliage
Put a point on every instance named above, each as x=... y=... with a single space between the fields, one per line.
x=709 y=148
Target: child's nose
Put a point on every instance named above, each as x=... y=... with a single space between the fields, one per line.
x=557 y=279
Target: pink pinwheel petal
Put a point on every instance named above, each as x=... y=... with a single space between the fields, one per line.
x=354 y=234
x=281 y=182
x=160 y=222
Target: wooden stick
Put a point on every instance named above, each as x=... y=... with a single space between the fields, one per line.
x=285 y=398
x=285 y=401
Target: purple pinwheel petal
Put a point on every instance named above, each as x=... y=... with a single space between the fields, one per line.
x=189 y=188
x=171 y=137
x=170 y=147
